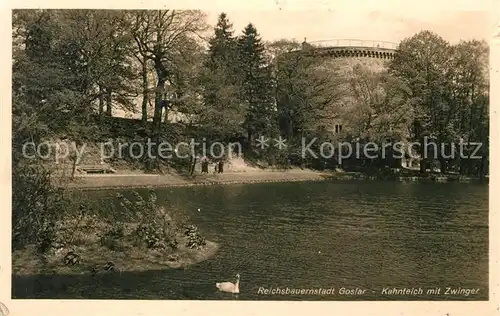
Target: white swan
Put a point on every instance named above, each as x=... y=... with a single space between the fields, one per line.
x=230 y=287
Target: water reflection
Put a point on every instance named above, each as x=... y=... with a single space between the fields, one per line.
x=299 y=235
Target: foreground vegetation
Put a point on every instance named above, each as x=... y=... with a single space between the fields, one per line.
x=63 y=232
x=73 y=69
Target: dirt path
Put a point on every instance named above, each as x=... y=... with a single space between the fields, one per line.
x=148 y=180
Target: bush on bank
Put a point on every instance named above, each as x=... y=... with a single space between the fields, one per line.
x=53 y=219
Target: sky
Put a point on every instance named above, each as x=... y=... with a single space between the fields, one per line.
x=392 y=26
x=379 y=20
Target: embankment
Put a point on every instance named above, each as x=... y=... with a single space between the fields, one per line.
x=171 y=180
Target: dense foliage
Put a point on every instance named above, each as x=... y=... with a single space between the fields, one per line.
x=449 y=94
x=71 y=65
x=72 y=69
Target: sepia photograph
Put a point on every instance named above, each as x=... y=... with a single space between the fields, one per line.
x=272 y=155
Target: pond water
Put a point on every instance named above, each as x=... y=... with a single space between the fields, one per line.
x=374 y=236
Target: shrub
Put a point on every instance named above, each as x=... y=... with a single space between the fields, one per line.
x=111 y=238
x=151 y=236
x=36 y=206
x=156 y=228
x=194 y=240
x=71 y=258
x=191 y=229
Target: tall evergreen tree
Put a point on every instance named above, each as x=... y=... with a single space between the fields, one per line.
x=258 y=87
x=223 y=113
x=223 y=44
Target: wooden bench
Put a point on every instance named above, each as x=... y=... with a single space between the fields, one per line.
x=98 y=168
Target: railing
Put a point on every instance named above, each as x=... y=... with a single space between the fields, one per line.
x=354 y=43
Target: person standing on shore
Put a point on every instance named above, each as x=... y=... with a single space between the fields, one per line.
x=204 y=165
x=221 y=166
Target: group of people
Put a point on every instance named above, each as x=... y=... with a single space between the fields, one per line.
x=218 y=168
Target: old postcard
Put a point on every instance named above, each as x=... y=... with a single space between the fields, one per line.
x=164 y=157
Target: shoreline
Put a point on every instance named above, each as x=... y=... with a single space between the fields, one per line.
x=138 y=180
x=125 y=261
x=130 y=181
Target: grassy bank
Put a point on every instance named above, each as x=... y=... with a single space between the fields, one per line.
x=131 y=234
x=95 y=259
x=172 y=180
x=92 y=182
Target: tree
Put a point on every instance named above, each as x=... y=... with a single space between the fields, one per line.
x=306 y=94
x=449 y=91
x=118 y=73
x=422 y=62
x=223 y=43
x=223 y=114
x=376 y=107
x=46 y=99
x=470 y=95
x=168 y=38
x=64 y=61
x=306 y=91
x=97 y=44
x=46 y=102
x=257 y=90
